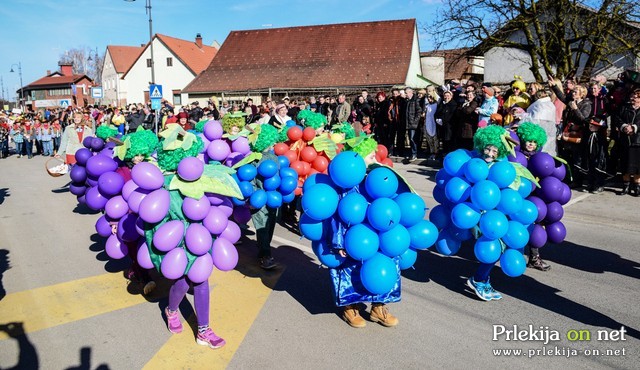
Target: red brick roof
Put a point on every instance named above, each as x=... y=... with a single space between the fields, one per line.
x=334 y=55
x=56 y=78
x=455 y=61
x=123 y=57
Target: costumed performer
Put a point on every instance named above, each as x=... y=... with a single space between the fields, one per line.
x=72 y=138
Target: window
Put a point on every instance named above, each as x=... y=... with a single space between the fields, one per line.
x=169 y=62
x=177 y=99
x=57 y=92
x=149 y=63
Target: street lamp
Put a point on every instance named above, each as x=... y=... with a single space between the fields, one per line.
x=148 y=11
x=20 y=73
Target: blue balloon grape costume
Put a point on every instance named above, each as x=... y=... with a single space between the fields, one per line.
x=483 y=196
x=365 y=224
x=551 y=195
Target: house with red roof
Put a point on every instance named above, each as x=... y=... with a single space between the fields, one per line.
x=323 y=59
x=59 y=89
x=176 y=63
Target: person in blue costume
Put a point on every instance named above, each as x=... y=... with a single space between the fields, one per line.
x=349 y=292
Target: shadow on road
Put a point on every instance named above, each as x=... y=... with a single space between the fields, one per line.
x=4 y=266
x=85 y=361
x=4 y=192
x=28 y=356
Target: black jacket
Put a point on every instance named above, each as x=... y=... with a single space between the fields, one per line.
x=445 y=112
x=410 y=113
x=134 y=120
x=628 y=116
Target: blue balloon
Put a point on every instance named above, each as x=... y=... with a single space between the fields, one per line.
x=487 y=250
x=283 y=162
x=527 y=213
x=288 y=172
x=439 y=195
x=246 y=188
x=320 y=201
x=258 y=199
x=267 y=168
x=454 y=162
x=347 y=169
x=485 y=195
x=476 y=170
x=525 y=188
x=361 y=242
x=457 y=190
x=517 y=235
x=288 y=184
x=247 y=172
x=502 y=173
x=423 y=234
x=379 y=274
x=274 y=199
x=494 y=224
x=510 y=201
x=310 y=228
x=381 y=183
x=512 y=263
x=412 y=208
x=465 y=215
x=316 y=178
x=290 y=123
x=407 y=259
x=440 y=216
x=383 y=214
x=442 y=177
x=447 y=244
x=288 y=198
x=460 y=234
x=352 y=209
x=325 y=255
x=272 y=183
x=395 y=241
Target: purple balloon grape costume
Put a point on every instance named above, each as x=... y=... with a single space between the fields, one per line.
x=482 y=196
x=365 y=224
x=551 y=195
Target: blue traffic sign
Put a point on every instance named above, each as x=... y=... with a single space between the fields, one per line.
x=155 y=91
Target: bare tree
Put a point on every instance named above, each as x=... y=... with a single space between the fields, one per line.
x=85 y=61
x=559 y=36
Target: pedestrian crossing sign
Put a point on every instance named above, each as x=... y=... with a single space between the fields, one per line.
x=64 y=103
x=155 y=91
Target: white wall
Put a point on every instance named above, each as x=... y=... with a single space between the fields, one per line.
x=171 y=78
x=433 y=69
x=502 y=64
x=415 y=68
x=109 y=77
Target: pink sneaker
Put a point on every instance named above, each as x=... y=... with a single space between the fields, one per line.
x=173 y=321
x=209 y=338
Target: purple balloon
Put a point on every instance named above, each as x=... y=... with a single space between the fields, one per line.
x=542 y=164
x=92 y=181
x=143 y=257
x=128 y=188
x=224 y=254
x=232 y=232
x=174 y=263
x=110 y=183
x=190 y=168
x=566 y=194
x=115 y=248
x=95 y=200
x=169 y=235
x=103 y=227
x=99 y=164
x=556 y=232
x=136 y=197
x=206 y=144
x=215 y=221
x=226 y=207
x=554 y=212
x=196 y=209
x=213 y=130
x=81 y=199
x=540 y=205
x=82 y=156
x=242 y=214
x=140 y=226
x=233 y=158
x=155 y=206
x=218 y=150
x=241 y=144
x=127 y=228
x=116 y=207
x=77 y=188
x=519 y=158
x=215 y=199
x=147 y=176
x=97 y=144
x=560 y=172
x=198 y=239
x=87 y=142
x=537 y=236
x=550 y=189
x=78 y=174
x=201 y=269
x=514 y=136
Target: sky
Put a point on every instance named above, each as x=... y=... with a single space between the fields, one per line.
x=37 y=32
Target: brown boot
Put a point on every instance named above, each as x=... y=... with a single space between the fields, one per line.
x=352 y=316
x=380 y=314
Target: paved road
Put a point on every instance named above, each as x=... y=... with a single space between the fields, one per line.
x=64 y=304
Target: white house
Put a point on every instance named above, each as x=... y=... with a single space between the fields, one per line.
x=117 y=60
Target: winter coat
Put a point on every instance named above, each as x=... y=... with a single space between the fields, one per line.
x=411 y=113
x=445 y=113
x=628 y=116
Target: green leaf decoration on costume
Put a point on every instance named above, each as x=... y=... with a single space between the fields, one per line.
x=211 y=170
x=508 y=143
x=217 y=181
x=398 y=175
x=344 y=128
x=312 y=119
x=324 y=144
x=170 y=136
x=522 y=171
x=244 y=132
x=253 y=156
x=187 y=140
x=121 y=150
x=354 y=142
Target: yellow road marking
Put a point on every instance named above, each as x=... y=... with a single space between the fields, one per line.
x=236 y=300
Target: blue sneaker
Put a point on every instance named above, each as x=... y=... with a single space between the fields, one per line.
x=480 y=289
x=495 y=296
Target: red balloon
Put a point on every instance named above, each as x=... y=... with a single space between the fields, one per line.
x=298 y=166
x=308 y=154
x=308 y=134
x=382 y=151
x=298 y=191
x=291 y=156
x=388 y=162
x=306 y=168
x=320 y=163
x=294 y=133
x=280 y=148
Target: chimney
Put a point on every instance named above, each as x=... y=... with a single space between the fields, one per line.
x=48 y=72
x=66 y=68
x=199 y=40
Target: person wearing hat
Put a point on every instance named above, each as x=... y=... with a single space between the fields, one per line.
x=489 y=106
x=279 y=120
x=183 y=120
x=516 y=96
x=195 y=113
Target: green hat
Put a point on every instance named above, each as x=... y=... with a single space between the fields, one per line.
x=493 y=135
x=312 y=119
x=528 y=131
